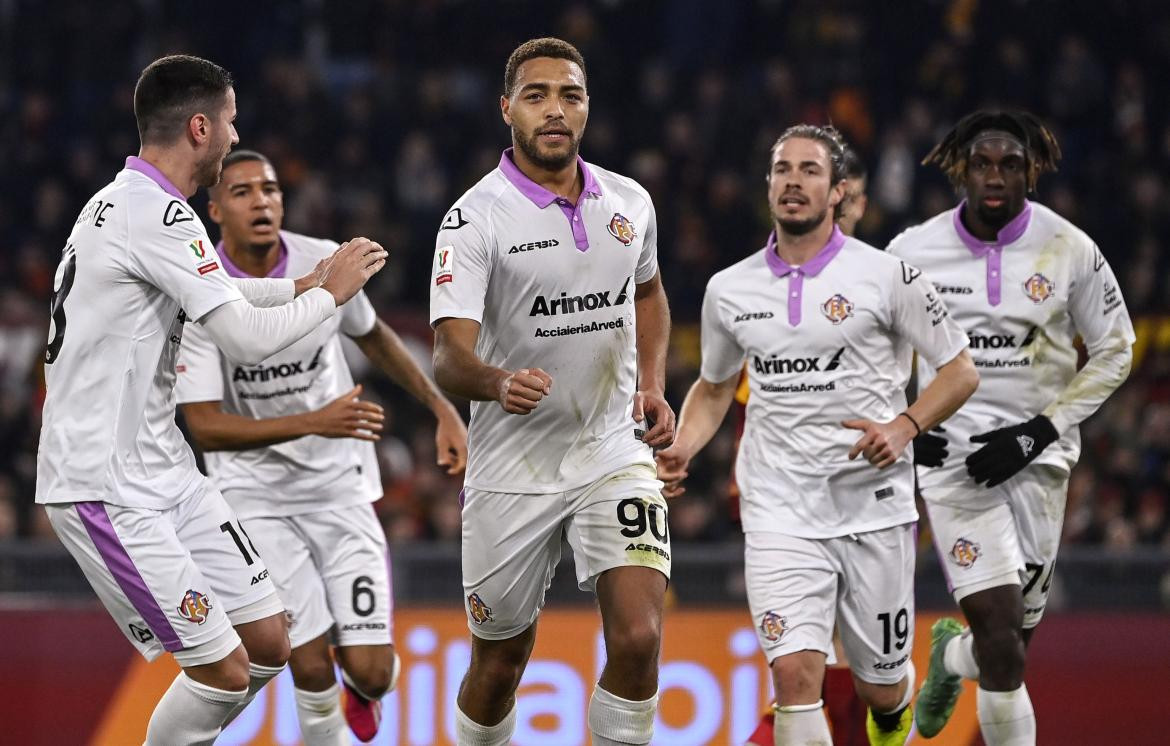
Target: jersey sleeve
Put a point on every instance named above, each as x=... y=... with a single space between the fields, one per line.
x=179 y=259
x=358 y=316
x=722 y=355
x=199 y=374
x=648 y=259
x=461 y=266
x=918 y=315
x=1095 y=304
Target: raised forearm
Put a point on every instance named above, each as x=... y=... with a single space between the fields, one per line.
x=216 y=430
x=702 y=413
x=1103 y=373
x=459 y=372
x=952 y=386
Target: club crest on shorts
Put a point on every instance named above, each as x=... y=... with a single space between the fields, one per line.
x=773 y=625
x=837 y=309
x=194 y=607
x=1038 y=288
x=965 y=552
x=480 y=612
x=622 y=229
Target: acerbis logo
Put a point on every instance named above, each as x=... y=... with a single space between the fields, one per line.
x=260 y=578
x=781 y=365
x=534 y=245
x=753 y=316
x=1000 y=341
x=271 y=372
x=565 y=303
x=954 y=290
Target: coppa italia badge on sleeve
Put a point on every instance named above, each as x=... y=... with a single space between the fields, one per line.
x=204 y=259
x=444 y=264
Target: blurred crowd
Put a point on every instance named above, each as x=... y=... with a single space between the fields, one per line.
x=380 y=113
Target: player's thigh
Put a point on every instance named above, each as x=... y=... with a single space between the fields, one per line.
x=226 y=555
x=511 y=545
x=978 y=549
x=147 y=580
x=619 y=521
x=792 y=593
x=294 y=573
x=349 y=547
x=1038 y=499
x=876 y=606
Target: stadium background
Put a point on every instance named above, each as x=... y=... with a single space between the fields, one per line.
x=379 y=114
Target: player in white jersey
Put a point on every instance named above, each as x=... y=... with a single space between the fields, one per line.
x=289 y=444
x=1023 y=282
x=163 y=551
x=550 y=316
x=828 y=538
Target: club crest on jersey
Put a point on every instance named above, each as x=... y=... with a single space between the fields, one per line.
x=965 y=552
x=194 y=607
x=479 y=611
x=444 y=264
x=204 y=261
x=772 y=626
x=622 y=229
x=1038 y=288
x=837 y=309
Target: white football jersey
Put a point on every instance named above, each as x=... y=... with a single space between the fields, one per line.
x=552 y=285
x=828 y=341
x=138 y=264
x=1022 y=300
x=308 y=474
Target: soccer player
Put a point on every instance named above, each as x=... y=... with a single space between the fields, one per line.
x=845 y=711
x=1023 y=282
x=828 y=538
x=158 y=543
x=289 y=444
x=550 y=316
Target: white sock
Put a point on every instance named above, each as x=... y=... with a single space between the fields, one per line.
x=959 y=656
x=801 y=725
x=1006 y=718
x=614 y=721
x=258 y=676
x=470 y=733
x=322 y=721
x=190 y=713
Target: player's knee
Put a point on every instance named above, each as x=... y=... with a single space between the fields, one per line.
x=880 y=697
x=312 y=673
x=372 y=678
x=797 y=677
x=1001 y=655
x=495 y=677
x=229 y=674
x=268 y=645
x=636 y=644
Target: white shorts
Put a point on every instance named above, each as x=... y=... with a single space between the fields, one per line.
x=512 y=543
x=797 y=588
x=330 y=570
x=174 y=579
x=1013 y=542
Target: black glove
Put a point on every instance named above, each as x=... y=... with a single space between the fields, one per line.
x=929 y=449
x=1009 y=449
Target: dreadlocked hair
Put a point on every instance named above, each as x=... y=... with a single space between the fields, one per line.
x=1040 y=146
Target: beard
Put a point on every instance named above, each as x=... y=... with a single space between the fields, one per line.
x=554 y=162
x=801 y=226
x=208 y=171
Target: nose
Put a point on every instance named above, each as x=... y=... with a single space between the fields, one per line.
x=235 y=136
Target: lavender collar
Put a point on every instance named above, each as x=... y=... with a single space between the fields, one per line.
x=991 y=251
x=796 y=275
x=542 y=197
x=280 y=269
x=134 y=163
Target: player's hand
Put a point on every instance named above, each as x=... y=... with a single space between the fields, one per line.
x=882 y=442
x=672 y=463
x=1009 y=449
x=346 y=272
x=651 y=408
x=314 y=278
x=521 y=390
x=451 y=441
x=930 y=449
x=347 y=416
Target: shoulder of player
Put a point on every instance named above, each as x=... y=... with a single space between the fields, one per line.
x=621 y=186
x=1048 y=221
x=149 y=211
x=736 y=273
x=927 y=233
x=316 y=247
x=474 y=207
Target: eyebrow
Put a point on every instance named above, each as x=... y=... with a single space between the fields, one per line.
x=250 y=182
x=544 y=86
x=802 y=164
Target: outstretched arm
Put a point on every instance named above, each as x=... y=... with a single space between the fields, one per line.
x=702 y=412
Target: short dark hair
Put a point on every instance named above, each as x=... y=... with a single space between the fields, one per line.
x=173 y=89
x=544 y=47
x=826 y=135
x=854 y=166
x=1040 y=146
x=243 y=156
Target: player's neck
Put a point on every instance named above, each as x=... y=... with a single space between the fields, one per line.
x=981 y=229
x=795 y=250
x=256 y=261
x=177 y=169
x=564 y=182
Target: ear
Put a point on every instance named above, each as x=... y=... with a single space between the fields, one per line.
x=199 y=128
x=836 y=193
x=505 y=107
x=214 y=212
